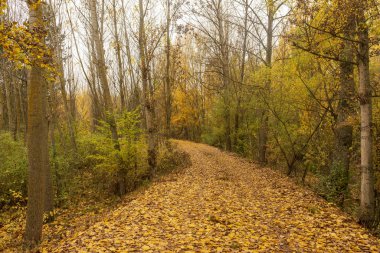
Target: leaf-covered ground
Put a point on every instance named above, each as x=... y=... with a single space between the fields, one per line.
x=221 y=203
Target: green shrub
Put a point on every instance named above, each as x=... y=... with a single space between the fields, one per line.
x=333 y=187
x=127 y=164
x=13 y=168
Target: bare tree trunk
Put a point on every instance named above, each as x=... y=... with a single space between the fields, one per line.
x=97 y=105
x=62 y=87
x=52 y=105
x=118 y=56
x=242 y=74
x=17 y=112
x=96 y=115
x=102 y=72
x=167 y=74
x=367 y=194
x=19 y=106
x=2 y=109
x=49 y=194
x=147 y=96
x=37 y=141
x=344 y=129
x=223 y=40
x=24 y=101
x=10 y=104
x=135 y=94
x=264 y=127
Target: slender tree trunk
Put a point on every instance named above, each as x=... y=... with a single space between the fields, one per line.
x=19 y=106
x=344 y=129
x=49 y=193
x=102 y=72
x=24 y=101
x=223 y=40
x=10 y=105
x=264 y=125
x=2 y=109
x=242 y=74
x=367 y=194
x=119 y=59
x=135 y=98
x=66 y=107
x=147 y=95
x=17 y=112
x=97 y=104
x=96 y=115
x=37 y=141
x=167 y=74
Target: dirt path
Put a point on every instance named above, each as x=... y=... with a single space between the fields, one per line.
x=222 y=203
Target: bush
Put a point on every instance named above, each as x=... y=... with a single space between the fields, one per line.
x=13 y=170
x=127 y=164
x=171 y=159
x=334 y=186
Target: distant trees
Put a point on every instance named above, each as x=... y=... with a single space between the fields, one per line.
x=213 y=22
x=265 y=33
x=322 y=117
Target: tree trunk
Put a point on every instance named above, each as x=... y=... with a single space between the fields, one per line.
x=37 y=141
x=10 y=97
x=19 y=107
x=242 y=74
x=2 y=109
x=118 y=57
x=93 y=85
x=367 y=194
x=49 y=194
x=66 y=107
x=167 y=74
x=147 y=96
x=344 y=129
x=102 y=72
x=264 y=125
x=17 y=112
x=135 y=94
x=223 y=40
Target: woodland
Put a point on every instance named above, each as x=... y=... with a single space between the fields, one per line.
x=190 y=125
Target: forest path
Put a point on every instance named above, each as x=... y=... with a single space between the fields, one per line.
x=222 y=203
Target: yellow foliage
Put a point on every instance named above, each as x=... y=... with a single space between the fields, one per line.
x=25 y=45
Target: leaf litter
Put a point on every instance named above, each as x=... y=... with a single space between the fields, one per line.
x=221 y=203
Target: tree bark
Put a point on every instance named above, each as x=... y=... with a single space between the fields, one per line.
x=264 y=125
x=102 y=72
x=346 y=109
x=62 y=84
x=135 y=93
x=167 y=74
x=148 y=103
x=37 y=141
x=2 y=108
x=118 y=57
x=224 y=54
x=242 y=74
x=10 y=98
x=367 y=194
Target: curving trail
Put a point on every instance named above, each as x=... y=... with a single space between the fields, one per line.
x=222 y=203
